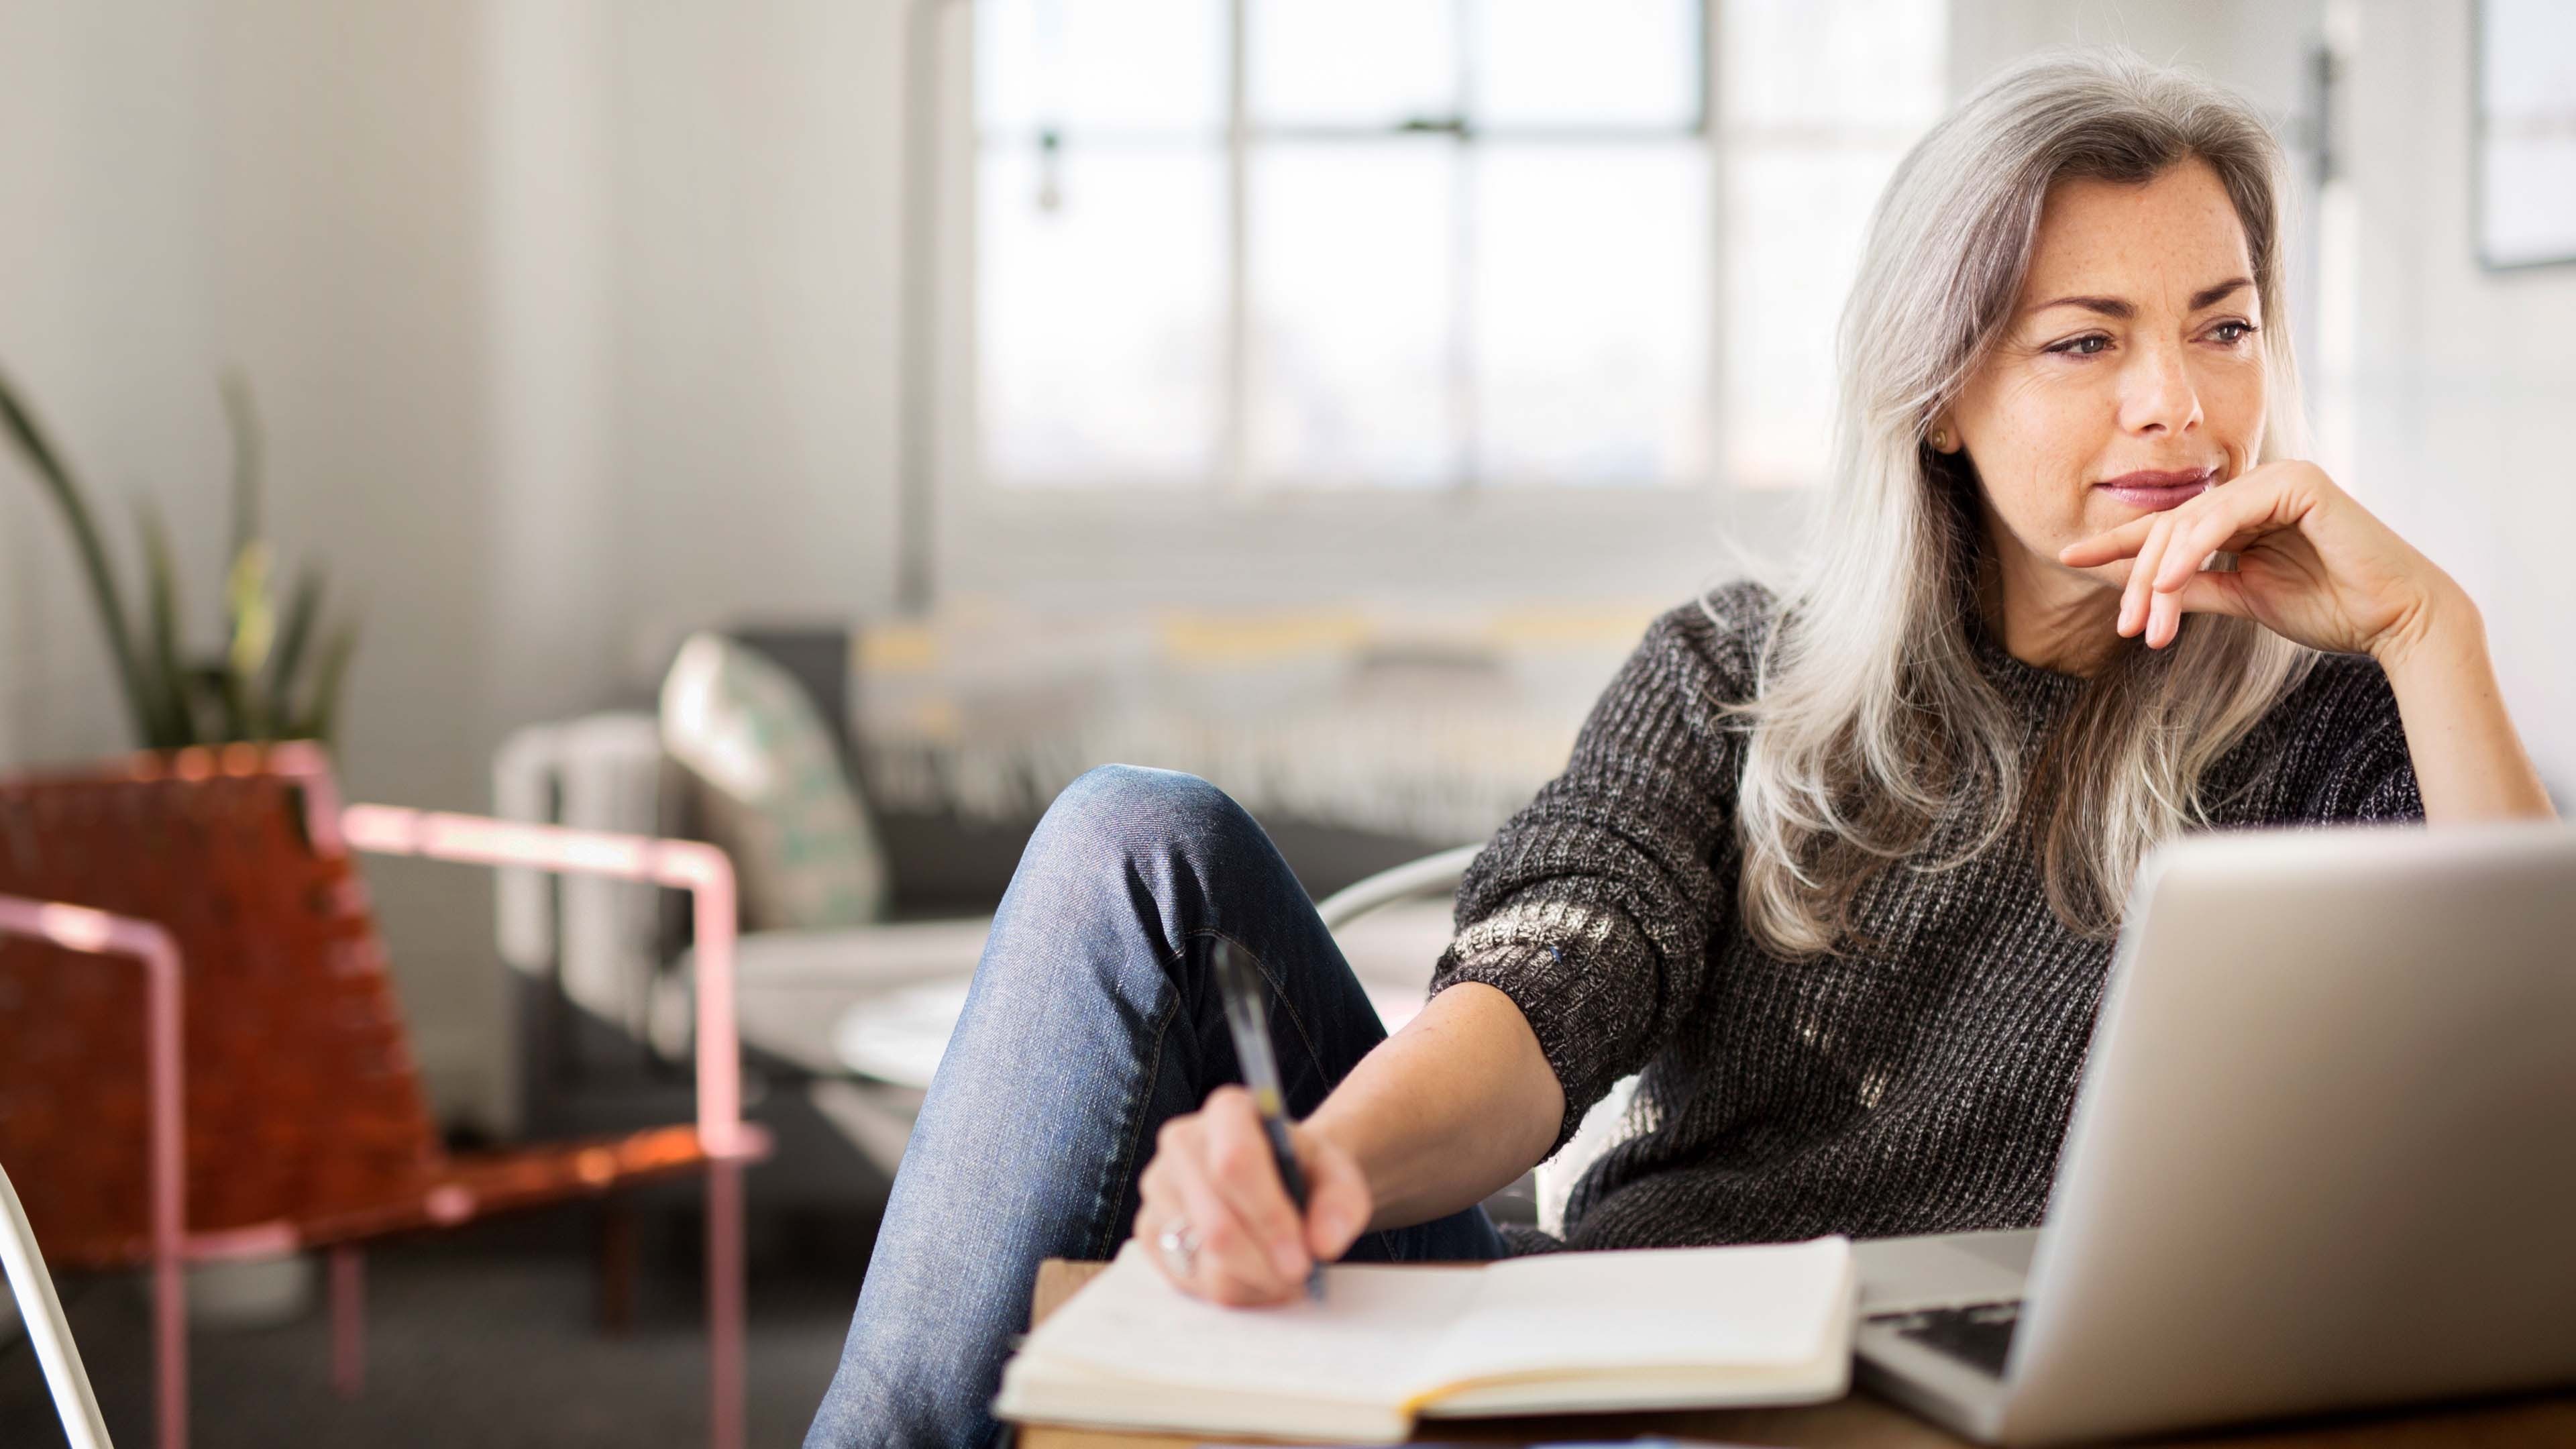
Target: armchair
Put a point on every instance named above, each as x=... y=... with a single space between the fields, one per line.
x=239 y=862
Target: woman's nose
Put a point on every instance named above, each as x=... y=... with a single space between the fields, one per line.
x=2157 y=394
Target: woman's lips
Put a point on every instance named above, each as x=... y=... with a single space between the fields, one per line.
x=2156 y=492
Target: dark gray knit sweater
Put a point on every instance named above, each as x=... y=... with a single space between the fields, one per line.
x=1921 y=1085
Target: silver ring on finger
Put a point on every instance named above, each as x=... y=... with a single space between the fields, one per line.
x=1180 y=1248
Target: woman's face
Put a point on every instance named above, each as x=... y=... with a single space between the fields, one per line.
x=2130 y=376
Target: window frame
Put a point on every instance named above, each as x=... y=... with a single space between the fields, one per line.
x=1090 y=539
x=1233 y=474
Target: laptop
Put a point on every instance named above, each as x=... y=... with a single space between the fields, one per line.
x=2323 y=1155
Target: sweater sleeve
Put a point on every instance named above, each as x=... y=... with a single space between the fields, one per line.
x=2358 y=768
x=1592 y=907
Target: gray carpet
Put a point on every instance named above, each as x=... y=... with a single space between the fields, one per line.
x=490 y=1346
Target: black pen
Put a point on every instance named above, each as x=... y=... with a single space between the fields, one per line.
x=1241 y=986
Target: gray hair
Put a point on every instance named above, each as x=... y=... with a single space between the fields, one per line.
x=1872 y=730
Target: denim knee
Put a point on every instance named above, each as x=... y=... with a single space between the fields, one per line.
x=1131 y=812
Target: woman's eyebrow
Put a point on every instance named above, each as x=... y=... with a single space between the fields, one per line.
x=2207 y=295
x=2124 y=310
x=2107 y=306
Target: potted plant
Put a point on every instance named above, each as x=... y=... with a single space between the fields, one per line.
x=271 y=679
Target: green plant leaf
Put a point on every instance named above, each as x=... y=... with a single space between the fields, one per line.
x=322 y=708
x=166 y=677
x=303 y=610
x=252 y=617
x=30 y=438
x=151 y=723
x=250 y=452
x=217 y=683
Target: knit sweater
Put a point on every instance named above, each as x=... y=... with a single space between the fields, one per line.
x=1921 y=1083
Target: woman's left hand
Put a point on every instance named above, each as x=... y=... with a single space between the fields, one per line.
x=2312 y=565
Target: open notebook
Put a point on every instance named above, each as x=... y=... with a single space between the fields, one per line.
x=1557 y=1333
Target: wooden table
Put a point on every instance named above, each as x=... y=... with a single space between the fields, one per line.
x=1860 y=1422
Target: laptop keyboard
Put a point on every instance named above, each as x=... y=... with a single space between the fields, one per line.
x=1978 y=1334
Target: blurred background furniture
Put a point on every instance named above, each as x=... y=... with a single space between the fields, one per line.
x=281 y=1102
x=80 y=931
x=42 y=1313
x=1362 y=743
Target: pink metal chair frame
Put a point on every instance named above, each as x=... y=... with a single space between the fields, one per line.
x=693 y=866
x=96 y=933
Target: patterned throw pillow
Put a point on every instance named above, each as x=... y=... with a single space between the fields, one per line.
x=775 y=795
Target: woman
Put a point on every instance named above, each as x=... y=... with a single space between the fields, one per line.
x=1837 y=868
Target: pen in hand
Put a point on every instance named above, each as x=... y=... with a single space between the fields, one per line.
x=1240 y=985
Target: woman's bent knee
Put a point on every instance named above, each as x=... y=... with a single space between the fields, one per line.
x=1124 y=810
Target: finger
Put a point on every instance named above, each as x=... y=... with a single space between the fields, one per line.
x=2134 y=593
x=1154 y=1213
x=1338 y=1201
x=2229 y=523
x=2164 y=618
x=1231 y=1264
x=2108 y=545
x=2202 y=593
x=2207 y=593
x=1232 y=1267
x=1243 y=1169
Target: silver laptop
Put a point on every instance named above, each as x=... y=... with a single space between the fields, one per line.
x=2323 y=1155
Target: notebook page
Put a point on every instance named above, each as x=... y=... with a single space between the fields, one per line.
x=1367 y=1342
x=1752 y=1307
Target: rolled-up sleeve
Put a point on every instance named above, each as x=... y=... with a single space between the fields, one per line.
x=1592 y=908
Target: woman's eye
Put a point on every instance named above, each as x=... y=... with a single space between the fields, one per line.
x=2087 y=346
x=2242 y=330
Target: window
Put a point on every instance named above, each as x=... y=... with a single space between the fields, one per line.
x=1249 y=245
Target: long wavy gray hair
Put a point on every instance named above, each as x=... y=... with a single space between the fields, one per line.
x=1873 y=730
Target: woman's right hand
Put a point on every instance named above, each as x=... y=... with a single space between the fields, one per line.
x=1212 y=1176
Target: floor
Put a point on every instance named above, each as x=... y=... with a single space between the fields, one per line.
x=491 y=1342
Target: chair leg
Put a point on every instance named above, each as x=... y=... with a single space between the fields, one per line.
x=170 y=1350
x=725 y=1425
x=616 y=1267
x=348 y=1321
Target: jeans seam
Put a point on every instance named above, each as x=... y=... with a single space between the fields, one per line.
x=1115 y=1182
x=1305 y=1038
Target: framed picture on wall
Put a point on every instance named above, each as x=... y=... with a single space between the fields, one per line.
x=2525 y=132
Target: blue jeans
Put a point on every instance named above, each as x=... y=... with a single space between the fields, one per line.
x=1091 y=1021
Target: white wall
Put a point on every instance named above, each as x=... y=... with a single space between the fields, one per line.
x=757 y=182
x=570 y=320
x=2460 y=381
x=105 y=320
x=2254 y=46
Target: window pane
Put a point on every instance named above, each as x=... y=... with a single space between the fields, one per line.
x=1100 y=320
x=1602 y=62
x=1352 y=292
x=1852 y=66
x=1100 y=65
x=1592 y=314
x=1795 y=218
x=1372 y=63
